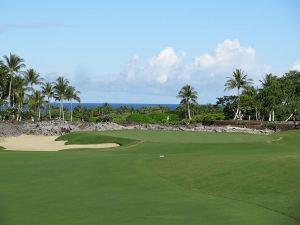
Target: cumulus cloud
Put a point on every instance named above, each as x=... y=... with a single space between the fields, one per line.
x=159 y=77
x=227 y=56
x=132 y=68
x=168 y=70
x=296 y=66
x=168 y=65
x=160 y=68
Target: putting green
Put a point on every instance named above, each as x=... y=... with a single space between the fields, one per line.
x=203 y=178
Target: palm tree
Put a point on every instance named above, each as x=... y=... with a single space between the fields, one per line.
x=32 y=77
x=48 y=91
x=271 y=94
x=38 y=100
x=188 y=95
x=3 y=82
x=250 y=101
x=19 y=88
x=60 y=88
x=239 y=81
x=13 y=65
x=72 y=94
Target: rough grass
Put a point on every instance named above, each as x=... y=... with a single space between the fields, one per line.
x=204 y=178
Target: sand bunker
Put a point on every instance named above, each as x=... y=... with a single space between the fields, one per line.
x=43 y=143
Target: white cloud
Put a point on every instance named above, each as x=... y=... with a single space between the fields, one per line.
x=168 y=66
x=162 y=75
x=228 y=56
x=132 y=67
x=162 y=65
x=296 y=66
x=159 y=68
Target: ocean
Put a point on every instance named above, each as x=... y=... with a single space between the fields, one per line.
x=115 y=105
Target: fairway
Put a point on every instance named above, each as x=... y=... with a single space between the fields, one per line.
x=203 y=179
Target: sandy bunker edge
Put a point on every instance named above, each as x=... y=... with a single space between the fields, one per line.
x=45 y=143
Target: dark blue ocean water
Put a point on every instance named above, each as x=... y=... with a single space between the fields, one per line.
x=116 y=105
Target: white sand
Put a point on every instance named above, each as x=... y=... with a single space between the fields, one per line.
x=43 y=143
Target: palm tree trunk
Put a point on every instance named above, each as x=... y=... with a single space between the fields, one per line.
x=21 y=106
x=13 y=100
x=62 y=110
x=49 y=108
x=188 y=109
x=240 y=115
x=71 y=112
x=39 y=110
x=9 y=91
x=236 y=113
x=289 y=117
x=238 y=106
x=19 y=110
x=256 y=114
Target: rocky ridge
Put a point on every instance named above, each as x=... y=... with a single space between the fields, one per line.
x=51 y=128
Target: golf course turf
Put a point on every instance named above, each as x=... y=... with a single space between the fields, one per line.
x=155 y=178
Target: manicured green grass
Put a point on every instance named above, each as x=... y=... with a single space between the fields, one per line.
x=94 y=138
x=203 y=178
x=189 y=136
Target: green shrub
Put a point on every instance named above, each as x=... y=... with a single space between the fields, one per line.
x=208 y=116
x=139 y=118
x=164 y=117
x=103 y=118
x=185 y=122
x=153 y=118
x=26 y=115
x=272 y=126
x=120 y=119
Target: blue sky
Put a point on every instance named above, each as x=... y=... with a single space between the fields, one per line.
x=142 y=51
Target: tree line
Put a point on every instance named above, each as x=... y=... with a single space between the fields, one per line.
x=24 y=92
x=276 y=99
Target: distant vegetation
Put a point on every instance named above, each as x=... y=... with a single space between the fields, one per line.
x=277 y=98
x=25 y=95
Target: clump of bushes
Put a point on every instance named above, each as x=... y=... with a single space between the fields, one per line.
x=104 y=118
x=272 y=126
x=185 y=122
x=153 y=118
x=208 y=117
x=119 y=119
